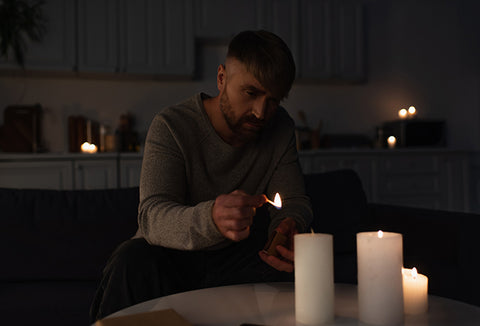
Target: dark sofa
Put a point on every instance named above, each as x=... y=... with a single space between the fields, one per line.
x=54 y=244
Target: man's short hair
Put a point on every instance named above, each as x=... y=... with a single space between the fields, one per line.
x=267 y=58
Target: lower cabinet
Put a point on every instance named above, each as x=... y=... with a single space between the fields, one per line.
x=433 y=179
x=39 y=175
x=67 y=172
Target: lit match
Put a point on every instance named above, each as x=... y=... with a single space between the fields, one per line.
x=277 y=202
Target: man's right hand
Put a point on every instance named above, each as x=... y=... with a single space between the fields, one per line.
x=233 y=213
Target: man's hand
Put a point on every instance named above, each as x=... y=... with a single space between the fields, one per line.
x=233 y=213
x=284 y=264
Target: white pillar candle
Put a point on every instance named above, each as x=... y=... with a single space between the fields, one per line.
x=314 y=287
x=380 y=292
x=415 y=292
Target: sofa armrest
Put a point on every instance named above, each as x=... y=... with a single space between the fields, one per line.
x=443 y=245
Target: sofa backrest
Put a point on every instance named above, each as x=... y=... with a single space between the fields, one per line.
x=340 y=208
x=50 y=234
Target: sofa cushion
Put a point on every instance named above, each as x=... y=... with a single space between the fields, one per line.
x=339 y=208
x=51 y=234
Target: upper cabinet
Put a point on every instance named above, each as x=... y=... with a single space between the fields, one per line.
x=158 y=37
x=142 y=37
x=98 y=45
x=57 y=50
x=331 y=40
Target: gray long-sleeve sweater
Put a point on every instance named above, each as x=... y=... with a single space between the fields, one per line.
x=186 y=165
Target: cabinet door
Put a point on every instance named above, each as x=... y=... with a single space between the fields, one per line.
x=281 y=17
x=57 y=50
x=55 y=175
x=156 y=37
x=95 y=174
x=98 y=36
x=220 y=19
x=332 y=39
x=130 y=170
x=349 y=44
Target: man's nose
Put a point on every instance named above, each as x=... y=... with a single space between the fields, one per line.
x=259 y=109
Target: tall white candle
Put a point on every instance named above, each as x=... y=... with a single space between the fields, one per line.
x=314 y=287
x=380 y=292
x=415 y=291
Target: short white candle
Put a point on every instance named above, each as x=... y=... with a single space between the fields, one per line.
x=380 y=292
x=314 y=285
x=402 y=113
x=392 y=141
x=415 y=291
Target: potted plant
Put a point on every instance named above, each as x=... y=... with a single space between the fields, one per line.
x=20 y=21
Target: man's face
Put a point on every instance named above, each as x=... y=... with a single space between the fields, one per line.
x=246 y=105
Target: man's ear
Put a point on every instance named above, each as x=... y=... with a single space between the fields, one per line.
x=221 y=75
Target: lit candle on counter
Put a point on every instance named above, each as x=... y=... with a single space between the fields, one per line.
x=314 y=286
x=415 y=291
x=412 y=111
x=392 y=141
x=402 y=113
x=380 y=291
x=88 y=148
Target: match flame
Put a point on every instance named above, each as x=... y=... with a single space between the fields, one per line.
x=380 y=234
x=277 y=201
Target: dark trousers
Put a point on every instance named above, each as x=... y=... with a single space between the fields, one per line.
x=138 y=271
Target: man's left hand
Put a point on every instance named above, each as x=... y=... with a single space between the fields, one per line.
x=286 y=263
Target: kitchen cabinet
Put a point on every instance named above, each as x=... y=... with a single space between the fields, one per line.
x=70 y=171
x=331 y=40
x=130 y=169
x=98 y=35
x=96 y=174
x=434 y=179
x=156 y=37
x=49 y=174
x=57 y=50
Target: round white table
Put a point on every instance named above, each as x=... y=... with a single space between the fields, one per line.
x=274 y=304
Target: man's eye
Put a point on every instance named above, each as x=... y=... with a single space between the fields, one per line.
x=251 y=93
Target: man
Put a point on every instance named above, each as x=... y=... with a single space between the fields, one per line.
x=209 y=165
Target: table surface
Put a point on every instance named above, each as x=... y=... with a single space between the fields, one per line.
x=274 y=304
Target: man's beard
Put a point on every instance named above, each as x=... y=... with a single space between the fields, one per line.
x=238 y=126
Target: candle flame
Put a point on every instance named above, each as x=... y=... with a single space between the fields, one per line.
x=380 y=234
x=414 y=273
x=88 y=148
x=311 y=229
x=412 y=110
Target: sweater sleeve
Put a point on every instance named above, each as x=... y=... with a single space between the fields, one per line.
x=165 y=217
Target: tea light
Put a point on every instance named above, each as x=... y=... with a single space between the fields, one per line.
x=415 y=291
x=314 y=286
x=88 y=148
x=412 y=111
x=380 y=291
x=392 y=141
x=402 y=113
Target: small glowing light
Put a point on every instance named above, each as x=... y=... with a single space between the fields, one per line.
x=402 y=113
x=277 y=202
x=380 y=234
x=412 y=110
x=392 y=141
x=88 y=148
x=414 y=273
x=311 y=229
